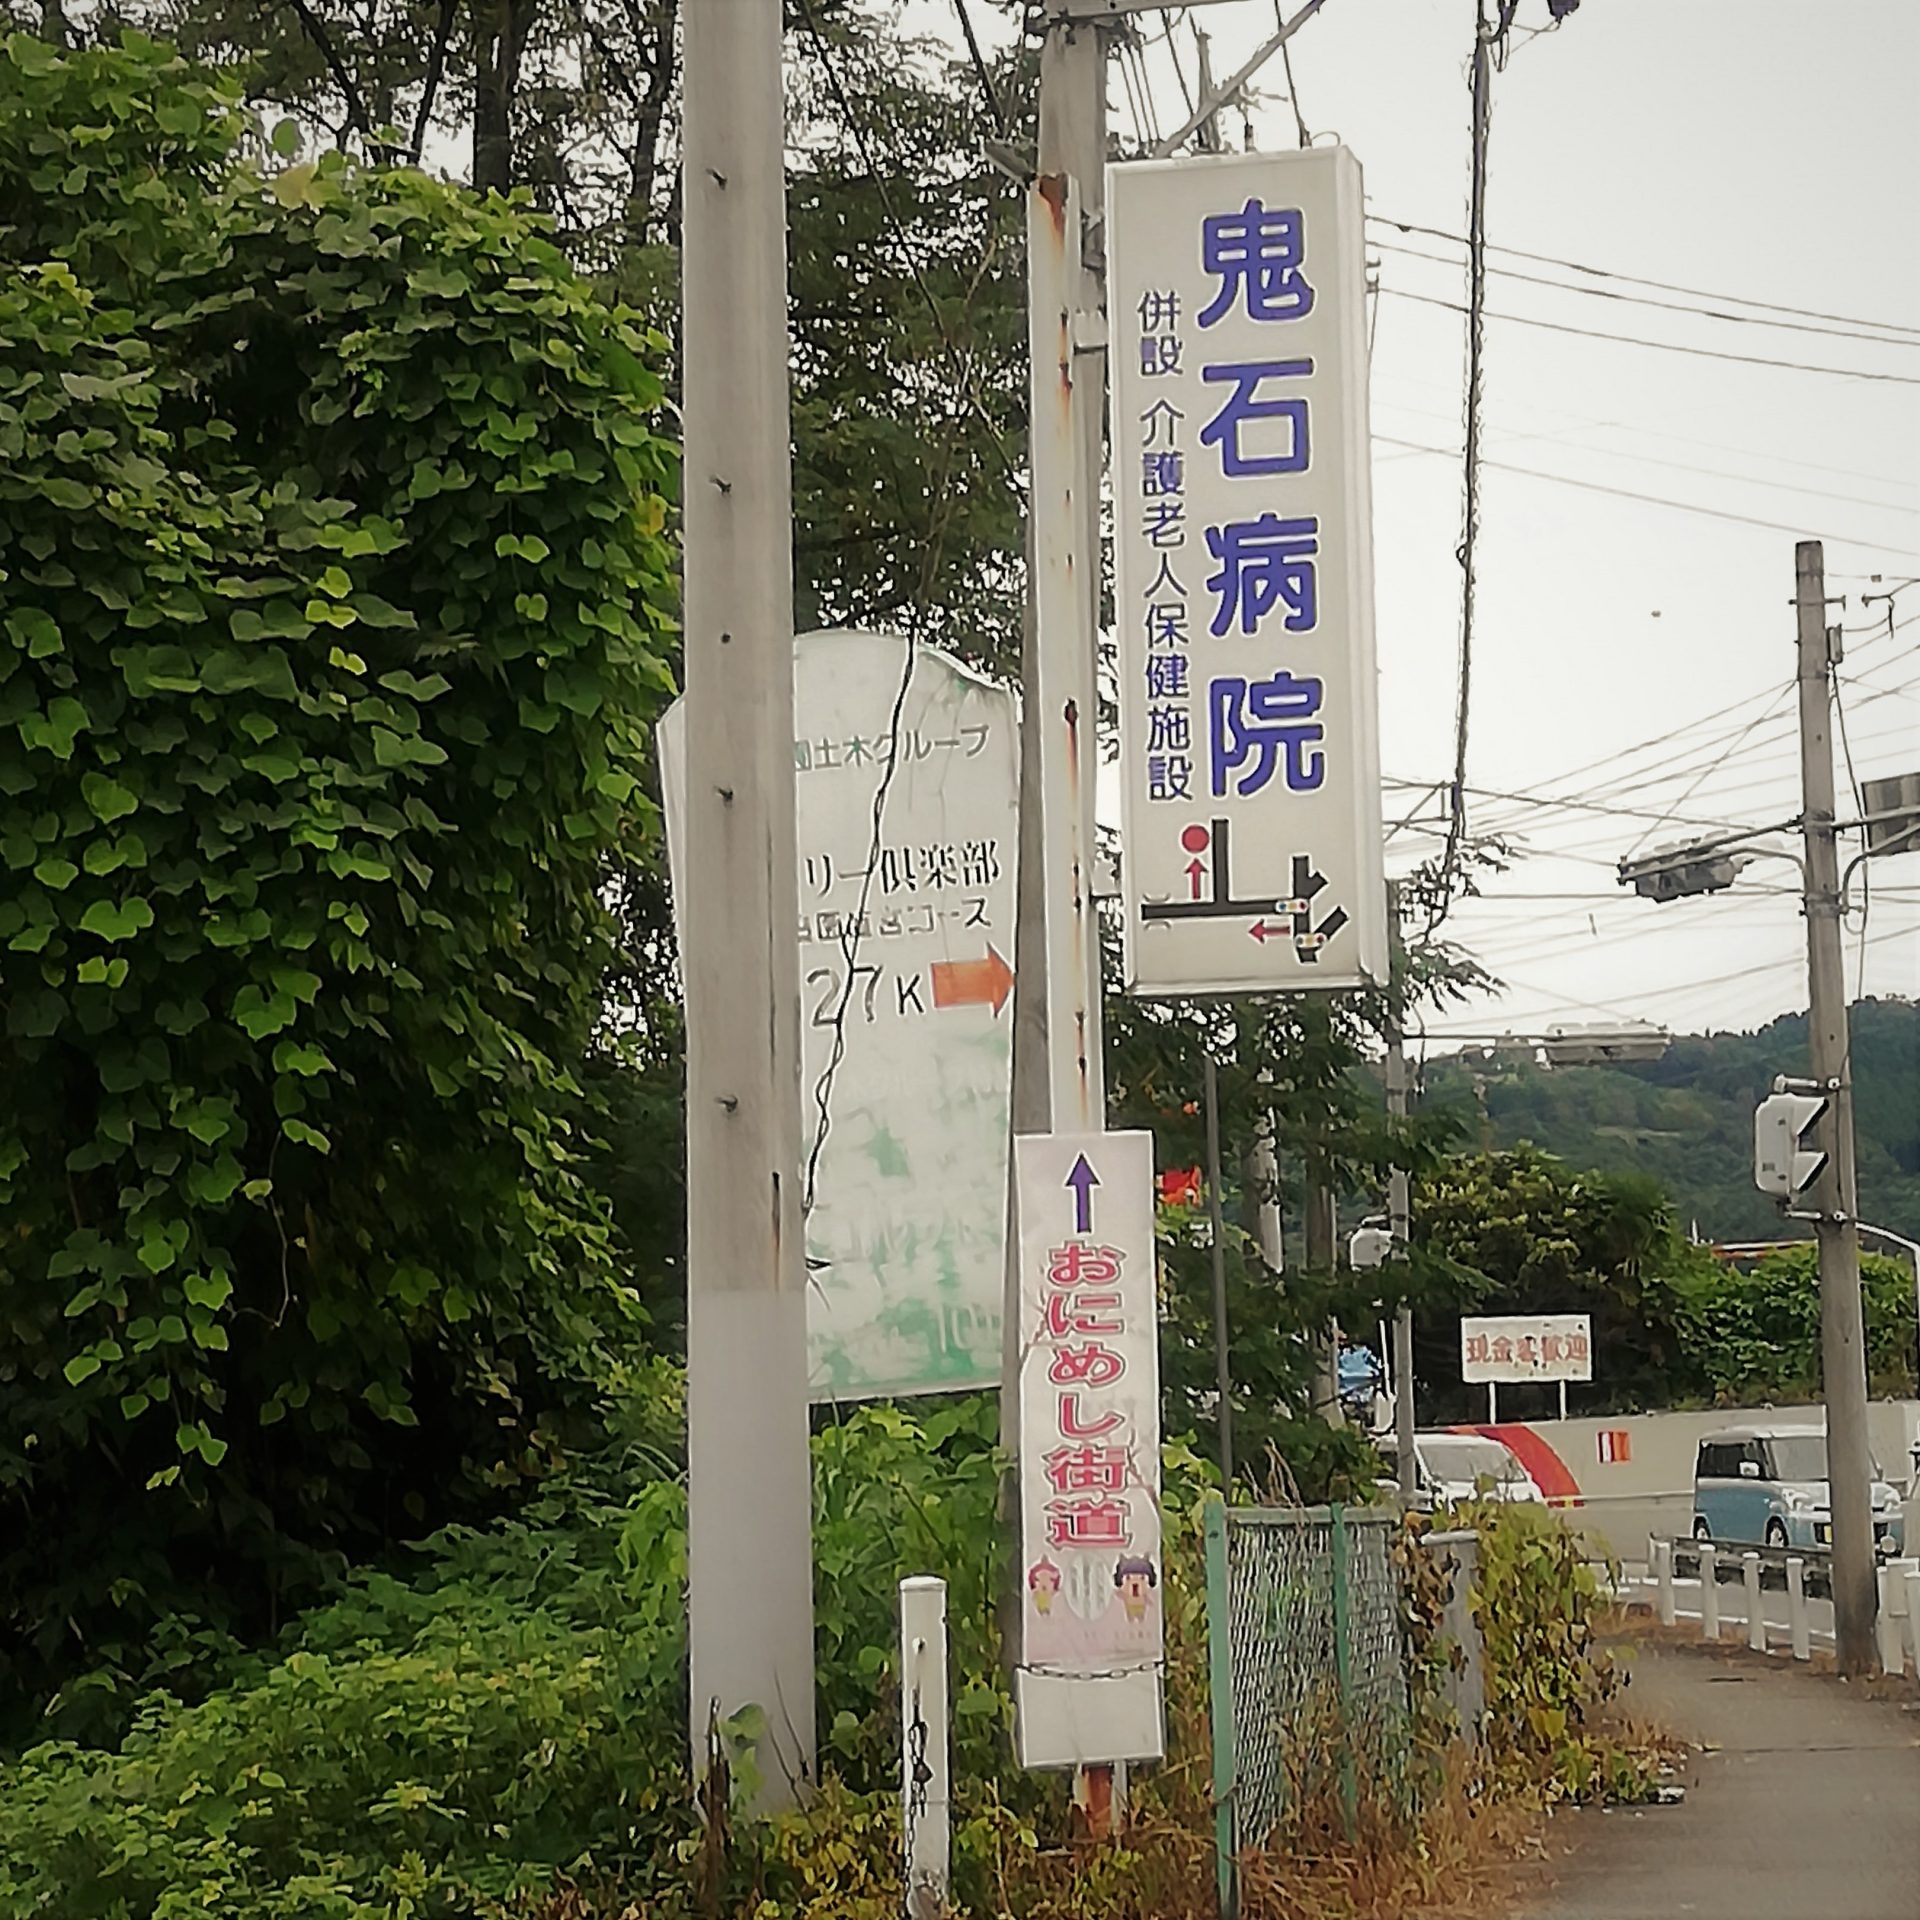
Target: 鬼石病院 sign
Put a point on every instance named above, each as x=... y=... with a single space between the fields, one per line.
x=1091 y=1574
x=906 y=1045
x=1244 y=574
x=1520 y=1347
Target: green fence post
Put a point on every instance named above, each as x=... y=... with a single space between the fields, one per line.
x=1343 y=1673
x=1220 y=1688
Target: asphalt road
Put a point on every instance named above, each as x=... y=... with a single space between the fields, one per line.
x=1803 y=1803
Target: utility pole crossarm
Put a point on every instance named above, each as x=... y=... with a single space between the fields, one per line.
x=1228 y=90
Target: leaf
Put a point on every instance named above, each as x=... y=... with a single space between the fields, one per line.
x=258 y=1015
x=379 y=613
x=56 y=874
x=303 y=986
x=391 y=749
x=306 y=1136
x=209 y=1290
x=108 y=922
x=83 y=1366
x=285 y=138
x=277 y=767
x=109 y=800
x=411 y=687
x=151 y=670
x=56 y=729
x=36 y=630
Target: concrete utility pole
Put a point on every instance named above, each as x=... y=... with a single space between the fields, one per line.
x=1400 y=1219
x=1322 y=1257
x=1842 y=1339
x=1222 y=1359
x=750 y=1548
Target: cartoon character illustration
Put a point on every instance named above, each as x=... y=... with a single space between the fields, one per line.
x=1043 y=1582
x=1136 y=1580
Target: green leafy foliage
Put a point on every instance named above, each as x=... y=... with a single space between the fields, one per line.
x=1537 y=1601
x=1521 y=1232
x=516 y=1705
x=1750 y=1334
x=333 y=612
x=1687 y=1120
x=1672 y=1324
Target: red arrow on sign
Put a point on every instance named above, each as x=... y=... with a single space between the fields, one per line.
x=1263 y=931
x=972 y=983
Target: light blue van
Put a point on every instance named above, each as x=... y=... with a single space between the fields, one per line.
x=1766 y=1486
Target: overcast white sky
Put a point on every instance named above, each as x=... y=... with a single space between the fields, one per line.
x=1756 y=148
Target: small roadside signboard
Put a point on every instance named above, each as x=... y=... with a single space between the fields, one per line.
x=1518 y=1348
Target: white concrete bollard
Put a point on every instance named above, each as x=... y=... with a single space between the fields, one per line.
x=1891 y=1631
x=1756 y=1613
x=1797 y=1610
x=1709 y=1592
x=1663 y=1573
x=924 y=1788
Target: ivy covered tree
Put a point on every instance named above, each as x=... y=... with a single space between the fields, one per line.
x=334 y=603
x=1522 y=1232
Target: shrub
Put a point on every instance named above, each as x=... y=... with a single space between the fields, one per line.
x=333 y=613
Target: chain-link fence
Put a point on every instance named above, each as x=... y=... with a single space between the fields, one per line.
x=1308 y=1673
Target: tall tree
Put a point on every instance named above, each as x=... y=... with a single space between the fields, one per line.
x=333 y=602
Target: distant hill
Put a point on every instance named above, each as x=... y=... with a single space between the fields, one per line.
x=1688 y=1119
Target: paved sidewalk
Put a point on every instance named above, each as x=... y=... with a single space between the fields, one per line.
x=1805 y=1804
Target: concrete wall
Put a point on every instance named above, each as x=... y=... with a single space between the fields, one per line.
x=1619 y=1501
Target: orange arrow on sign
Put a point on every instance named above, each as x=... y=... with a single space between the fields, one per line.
x=972 y=983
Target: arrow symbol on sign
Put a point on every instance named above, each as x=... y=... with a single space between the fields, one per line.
x=1196 y=872
x=1082 y=1180
x=1263 y=930
x=972 y=983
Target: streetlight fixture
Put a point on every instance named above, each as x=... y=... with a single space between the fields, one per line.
x=1596 y=1044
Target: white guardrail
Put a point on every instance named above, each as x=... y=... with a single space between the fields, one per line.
x=1676 y=1566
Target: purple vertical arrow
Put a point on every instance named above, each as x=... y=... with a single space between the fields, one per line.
x=1082 y=1180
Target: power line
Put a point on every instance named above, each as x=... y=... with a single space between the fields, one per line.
x=1650 y=499
x=1476 y=312
x=1577 y=806
x=1699 y=779
x=980 y=67
x=1640 y=280
x=962 y=367
x=1664 y=346
x=1664 y=306
x=1684 y=466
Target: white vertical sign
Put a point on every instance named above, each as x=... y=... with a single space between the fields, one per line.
x=1091 y=1571
x=1244 y=574
x=906 y=932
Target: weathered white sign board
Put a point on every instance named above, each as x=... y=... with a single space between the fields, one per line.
x=1092 y=1577
x=1516 y=1348
x=906 y=947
